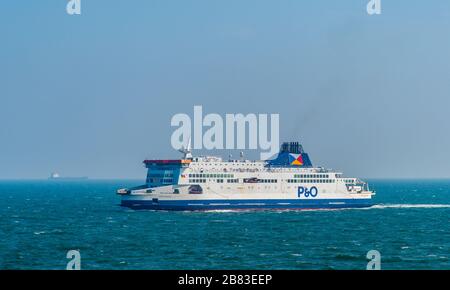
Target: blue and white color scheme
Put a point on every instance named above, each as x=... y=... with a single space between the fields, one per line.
x=288 y=181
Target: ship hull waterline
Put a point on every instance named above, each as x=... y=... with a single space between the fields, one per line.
x=265 y=204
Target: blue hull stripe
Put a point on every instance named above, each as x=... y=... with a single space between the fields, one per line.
x=224 y=204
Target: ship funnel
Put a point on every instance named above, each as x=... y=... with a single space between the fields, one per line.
x=292 y=147
x=291 y=155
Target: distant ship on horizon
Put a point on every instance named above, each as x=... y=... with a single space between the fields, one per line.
x=56 y=176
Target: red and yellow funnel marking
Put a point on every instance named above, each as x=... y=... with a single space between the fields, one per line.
x=298 y=161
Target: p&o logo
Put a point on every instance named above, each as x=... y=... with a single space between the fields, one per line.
x=307 y=192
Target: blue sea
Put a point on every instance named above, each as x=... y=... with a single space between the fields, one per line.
x=40 y=221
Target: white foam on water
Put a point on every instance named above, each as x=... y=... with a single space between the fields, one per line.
x=376 y=206
x=221 y=210
x=381 y=206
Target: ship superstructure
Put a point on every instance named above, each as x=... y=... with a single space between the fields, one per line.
x=288 y=181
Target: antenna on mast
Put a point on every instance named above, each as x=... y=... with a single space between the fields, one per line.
x=186 y=150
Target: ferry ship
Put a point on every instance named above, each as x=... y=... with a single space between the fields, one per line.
x=288 y=181
x=56 y=177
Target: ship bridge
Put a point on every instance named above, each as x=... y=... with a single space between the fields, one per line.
x=163 y=172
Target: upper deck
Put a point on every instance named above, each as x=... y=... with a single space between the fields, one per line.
x=163 y=162
x=291 y=158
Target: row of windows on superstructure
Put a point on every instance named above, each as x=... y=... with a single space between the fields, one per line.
x=161 y=175
x=232 y=163
x=210 y=175
x=202 y=180
x=197 y=180
x=267 y=180
x=162 y=180
x=233 y=180
x=226 y=175
x=310 y=180
x=236 y=180
x=311 y=176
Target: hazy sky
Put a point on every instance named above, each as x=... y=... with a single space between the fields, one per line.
x=94 y=94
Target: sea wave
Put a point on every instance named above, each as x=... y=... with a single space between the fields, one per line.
x=376 y=206
x=381 y=206
x=221 y=210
